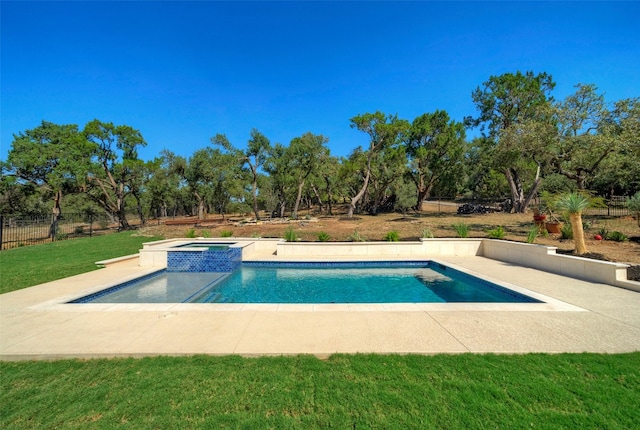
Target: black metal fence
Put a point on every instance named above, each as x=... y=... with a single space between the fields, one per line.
x=22 y=231
x=616 y=206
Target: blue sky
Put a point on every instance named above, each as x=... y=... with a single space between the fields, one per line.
x=181 y=72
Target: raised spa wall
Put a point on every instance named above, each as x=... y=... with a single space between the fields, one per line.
x=154 y=254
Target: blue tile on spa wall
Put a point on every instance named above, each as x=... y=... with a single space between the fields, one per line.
x=214 y=260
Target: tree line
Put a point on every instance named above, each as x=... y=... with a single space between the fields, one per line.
x=528 y=142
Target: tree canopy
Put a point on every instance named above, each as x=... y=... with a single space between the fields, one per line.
x=528 y=142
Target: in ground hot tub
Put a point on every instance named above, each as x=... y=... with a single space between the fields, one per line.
x=157 y=254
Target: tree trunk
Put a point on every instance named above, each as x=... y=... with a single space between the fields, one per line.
x=281 y=207
x=200 y=201
x=578 y=233
x=516 y=190
x=120 y=208
x=255 y=199
x=532 y=193
x=143 y=220
x=354 y=201
x=122 y=220
x=294 y=215
x=424 y=193
x=419 y=181
x=520 y=202
x=315 y=191
x=55 y=215
x=329 y=196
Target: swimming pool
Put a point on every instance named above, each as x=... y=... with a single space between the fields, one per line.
x=269 y=282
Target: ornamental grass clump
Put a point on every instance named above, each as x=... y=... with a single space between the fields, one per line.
x=532 y=234
x=290 y=235
x=323 y=237
x=392 y=236
x=497 y=233
x=356 y=237
x=427 y=233
x=462 y=230
x=617 y=236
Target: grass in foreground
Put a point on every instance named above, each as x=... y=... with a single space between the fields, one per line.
x=33 y=265
x=346 y=391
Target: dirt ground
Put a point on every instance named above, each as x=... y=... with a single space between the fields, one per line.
x=411 y=226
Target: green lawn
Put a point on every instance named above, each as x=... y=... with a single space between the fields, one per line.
x=33 y=265
x=585 y=391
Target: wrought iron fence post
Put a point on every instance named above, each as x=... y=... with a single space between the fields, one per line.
x=90 y=225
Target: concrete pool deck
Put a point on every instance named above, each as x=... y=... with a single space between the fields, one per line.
x=36 y=323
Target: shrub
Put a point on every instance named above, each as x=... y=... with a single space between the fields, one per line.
x=205 y=233
x=462 y=229
x=392 y=236
x=356 y=237
x=191 y=233
x=427 y=234
x=497 y=233
x=226 y=233
x=78 y=230
x=617 y=236
x=323 y=237
x=633 y=203
x=290 y=235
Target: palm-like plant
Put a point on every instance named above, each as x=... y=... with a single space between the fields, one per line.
x=573 y=204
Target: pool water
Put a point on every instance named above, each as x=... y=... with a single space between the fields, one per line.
x=424 y=282
x=159 y=287
x=209 y=246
